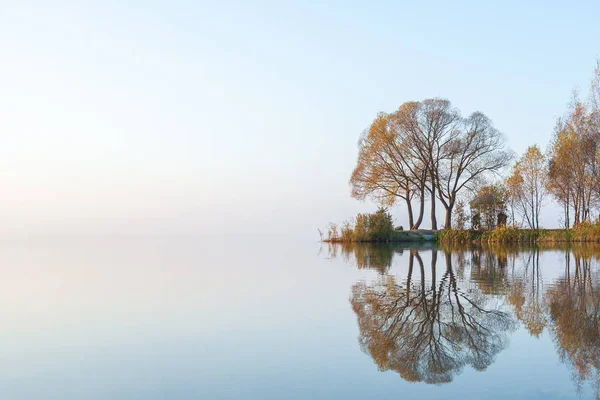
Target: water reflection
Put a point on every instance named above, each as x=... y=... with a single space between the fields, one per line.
x=376 y=256
x=440 y=310
x=428 y=331
x=574 y=309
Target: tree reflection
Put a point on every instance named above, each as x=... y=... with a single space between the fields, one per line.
x=526 y=293
x=428 y=331
x=488 y=269
x=574 y=307
x=376 y=256
x=458 y=311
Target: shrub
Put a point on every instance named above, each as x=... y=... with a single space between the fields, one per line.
x=375 y=227
x=332 y=232
x=347 y=232
x=510 y=235
x=457 y=236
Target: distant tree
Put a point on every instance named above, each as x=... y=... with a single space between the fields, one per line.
x=527 y=185
x=574 y=157
x=512 y=186
x=595 y=96
x=461 y=215
x=573 y=167
x=562 y=167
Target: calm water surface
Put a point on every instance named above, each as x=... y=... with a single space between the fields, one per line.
x=173 y=318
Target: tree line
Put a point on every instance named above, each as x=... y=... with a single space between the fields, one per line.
x=427 y=151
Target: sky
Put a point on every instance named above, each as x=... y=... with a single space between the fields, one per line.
x=224 y=117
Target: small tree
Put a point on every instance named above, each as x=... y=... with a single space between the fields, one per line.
x=461 y=215
x=527 y=185
x=490 y=205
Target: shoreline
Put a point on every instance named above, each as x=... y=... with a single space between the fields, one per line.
x=418 y=236
x=580 y=234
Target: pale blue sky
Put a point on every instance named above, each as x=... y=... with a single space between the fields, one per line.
x=219 y=116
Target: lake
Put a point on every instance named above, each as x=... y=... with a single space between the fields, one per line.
x=196 y=318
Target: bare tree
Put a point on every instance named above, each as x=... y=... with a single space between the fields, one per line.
x=595 y=94
x=429 y=127
x=477 y=149
x=426 y=148
x=416 y=162
x=562 y=170
x=573 y=169
x=574 y=157
x=527 y=185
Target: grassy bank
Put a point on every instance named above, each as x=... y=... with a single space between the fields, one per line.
x=376 y=227
x=582 y=234
x=393 y=236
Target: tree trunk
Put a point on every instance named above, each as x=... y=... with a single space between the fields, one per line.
x=421 y=210
x=587 y=207
x=410 y=212
x=433 y=183
x=567 y=208
x=448 y=207
x=433 y=218
x=532 y=225
x=448 y=222
x=512 y=214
